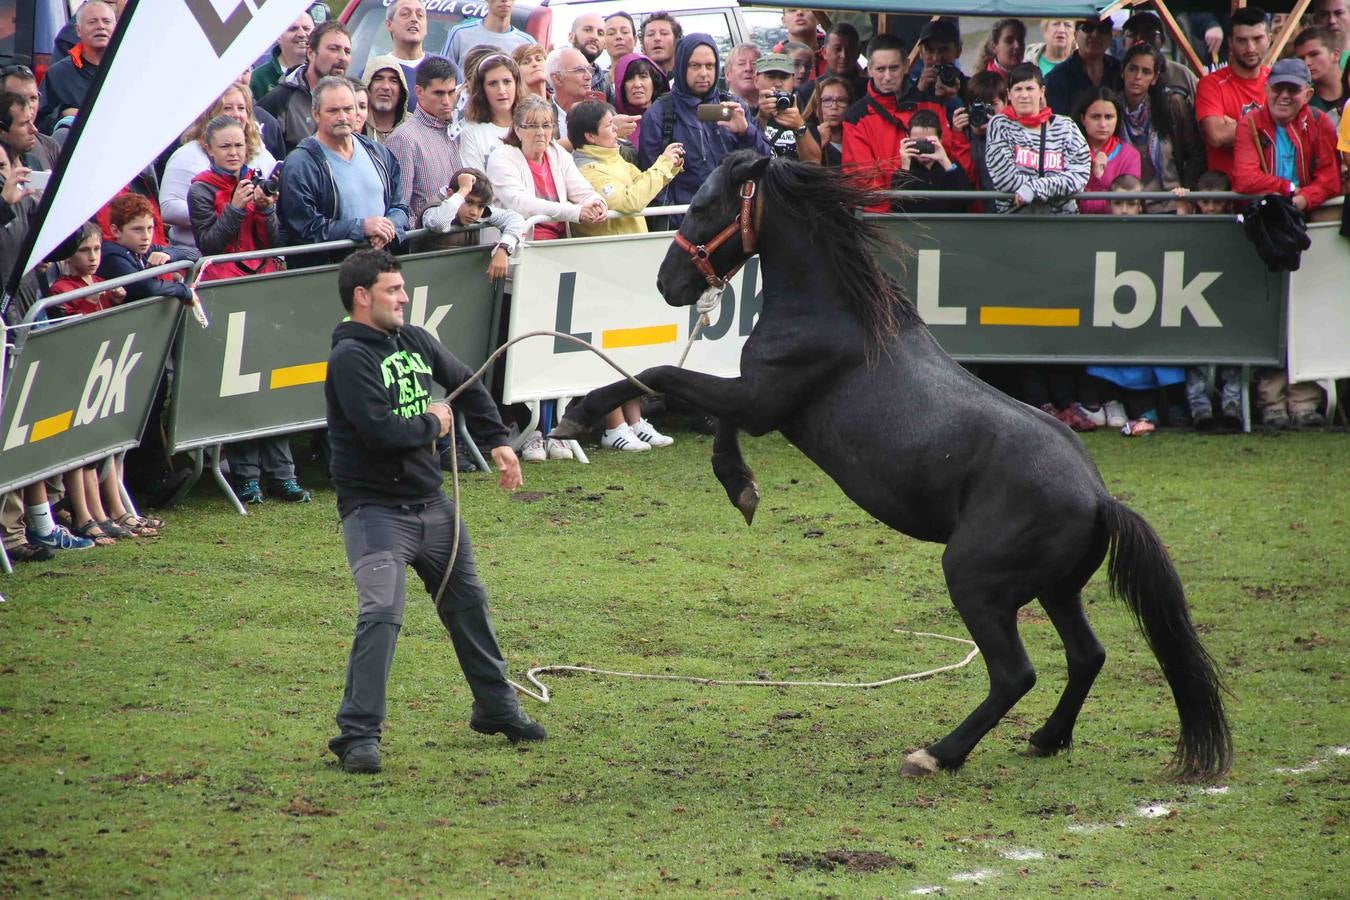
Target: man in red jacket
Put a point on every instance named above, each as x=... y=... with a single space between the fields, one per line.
x=1285 y=147
x=875 y=125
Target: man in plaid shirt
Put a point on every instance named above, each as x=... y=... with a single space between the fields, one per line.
x=427 y=151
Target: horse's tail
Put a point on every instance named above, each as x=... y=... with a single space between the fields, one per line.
x=1141 y=573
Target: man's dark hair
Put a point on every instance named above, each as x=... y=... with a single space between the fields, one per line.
x=622 y=15
x=925 y=118
x=584 y=119
x=23 y=73
x=662 y=16
x=322 y=31
x=847 y=32
x=1025 y=72
x=1247 y=16
x=885 y=42
x=1213 y=180
x=986 y=87
x=9 y=100
x=481 y=192
x=362 y=269
x=1317 y=33
x=437 y=68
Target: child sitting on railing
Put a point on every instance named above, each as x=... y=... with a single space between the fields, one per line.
x=466 y=205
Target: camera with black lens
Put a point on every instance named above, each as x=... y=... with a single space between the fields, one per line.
x=782 y=101
x=924 y=146
x=267 y=186
x=948 y=74
x=980 y=114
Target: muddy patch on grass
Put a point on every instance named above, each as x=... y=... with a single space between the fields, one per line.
x=852 y=861
x=165 y=777
x=529 y=496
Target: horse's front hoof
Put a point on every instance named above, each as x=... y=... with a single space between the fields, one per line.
x=919 y=764
x=748 y=502
x=569 y=430
x=1039 y=751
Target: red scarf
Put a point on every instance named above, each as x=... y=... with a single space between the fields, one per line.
x=1109 y=148
x=1036 y=120
x=252 y=232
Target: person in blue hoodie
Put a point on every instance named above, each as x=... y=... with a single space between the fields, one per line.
x=673 y=118
x=339 y=185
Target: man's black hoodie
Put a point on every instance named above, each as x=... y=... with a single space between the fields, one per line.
x=378 y=388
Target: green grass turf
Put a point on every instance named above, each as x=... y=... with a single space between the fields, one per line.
x=164 y=705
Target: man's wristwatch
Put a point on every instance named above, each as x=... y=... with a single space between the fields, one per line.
x=799 y=131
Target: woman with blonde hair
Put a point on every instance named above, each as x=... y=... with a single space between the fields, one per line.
x=191 y=158
x=494 y=90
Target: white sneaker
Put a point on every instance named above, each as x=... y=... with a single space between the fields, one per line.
x=557 y=449
x=1115 y=414
x=645 y=432
x=1095 y=416
x=623 y=438
x=534 y=451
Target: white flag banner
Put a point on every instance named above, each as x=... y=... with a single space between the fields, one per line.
x=168 y=61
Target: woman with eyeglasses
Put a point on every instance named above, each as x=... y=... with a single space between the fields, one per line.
x=495 y=88
x=825 y=113
x=535 y=176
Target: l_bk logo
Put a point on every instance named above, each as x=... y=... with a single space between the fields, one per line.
x=104 y=394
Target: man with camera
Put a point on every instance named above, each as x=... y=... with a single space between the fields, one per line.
x=939 y=80
x=779 y=118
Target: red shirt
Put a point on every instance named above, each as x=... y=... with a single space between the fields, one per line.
x=84 y=305
x=1223 y=93
x=544 y=189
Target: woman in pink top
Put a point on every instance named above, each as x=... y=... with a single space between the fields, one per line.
x=1101 y=118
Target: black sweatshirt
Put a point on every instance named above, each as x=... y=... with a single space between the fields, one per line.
x=382 y=438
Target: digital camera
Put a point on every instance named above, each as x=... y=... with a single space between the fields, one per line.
x=948 y=74
x=268 y=186
x=782 y=101
x=980 y=114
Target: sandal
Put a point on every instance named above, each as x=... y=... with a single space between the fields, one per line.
x=94 y=532
x=137 y=526
x=113 y=530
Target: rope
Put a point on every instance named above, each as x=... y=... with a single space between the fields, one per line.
x=707 y=302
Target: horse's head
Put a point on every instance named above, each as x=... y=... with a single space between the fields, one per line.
x=718 y=233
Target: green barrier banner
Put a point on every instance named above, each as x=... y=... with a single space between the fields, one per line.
x=81 y=389
x=1090 y=289
x=259 y=369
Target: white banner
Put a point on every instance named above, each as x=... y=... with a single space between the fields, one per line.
x=202 y=46
x=603 y=290
x=1319 y=307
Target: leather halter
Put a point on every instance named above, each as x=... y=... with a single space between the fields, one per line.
x=744 y=223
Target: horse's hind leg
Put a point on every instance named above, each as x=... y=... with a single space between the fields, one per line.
x=729 y=466
x=988 y=605
x=1085 y=657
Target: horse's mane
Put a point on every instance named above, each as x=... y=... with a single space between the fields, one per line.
x=847 y=245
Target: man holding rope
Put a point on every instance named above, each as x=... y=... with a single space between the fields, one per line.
x=383 y=427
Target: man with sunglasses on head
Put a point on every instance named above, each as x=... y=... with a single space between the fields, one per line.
x=1090 y=66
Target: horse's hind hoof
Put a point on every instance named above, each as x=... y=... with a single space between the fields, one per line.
x=919 y=764
x=569 y=430
x=748 y=502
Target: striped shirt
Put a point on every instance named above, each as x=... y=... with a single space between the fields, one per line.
x=427 y=156
x=1013 y=158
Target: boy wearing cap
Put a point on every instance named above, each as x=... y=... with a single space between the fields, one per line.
x=938 y=78
x=783 y=126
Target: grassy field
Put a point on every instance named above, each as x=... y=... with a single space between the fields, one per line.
x=164 y=706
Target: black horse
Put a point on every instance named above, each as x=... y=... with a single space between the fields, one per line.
x=841 y=363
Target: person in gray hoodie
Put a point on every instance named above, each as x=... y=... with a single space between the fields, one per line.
x=389 y=95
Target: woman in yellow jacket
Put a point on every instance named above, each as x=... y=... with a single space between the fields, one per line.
x=625 y=188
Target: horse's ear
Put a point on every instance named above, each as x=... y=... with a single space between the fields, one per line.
x=748 y=169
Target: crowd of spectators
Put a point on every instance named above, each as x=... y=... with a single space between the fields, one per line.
x=490 y=129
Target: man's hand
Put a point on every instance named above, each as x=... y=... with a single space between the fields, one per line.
x=593 y=211
x=1300 y=203
x=157 y=258
x=1213 y=40
x=464 y=184
x=961 y=119
x=945 y=92
x=498 y=264
x=738 y=123
x=16 y=185
x=443 y=415
x=244 y=192
x=379 y=231
x=505 y=460
x=791 y=118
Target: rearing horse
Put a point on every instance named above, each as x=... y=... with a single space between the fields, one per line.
x=841 y=363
